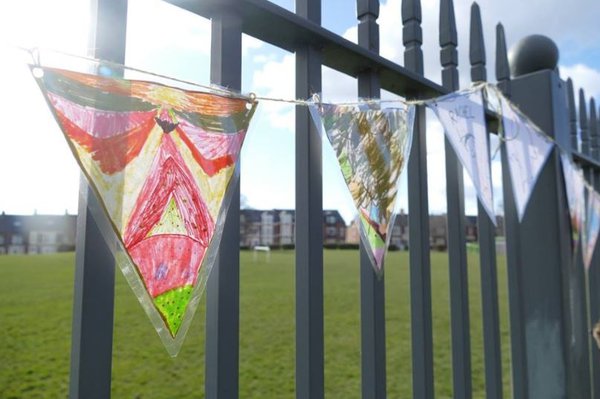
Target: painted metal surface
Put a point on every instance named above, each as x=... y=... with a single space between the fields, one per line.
x=93 y=297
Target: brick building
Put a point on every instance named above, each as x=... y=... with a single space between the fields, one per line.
x=276 y=227
x=33 y=234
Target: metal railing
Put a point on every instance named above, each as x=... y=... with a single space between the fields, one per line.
x=549 y=316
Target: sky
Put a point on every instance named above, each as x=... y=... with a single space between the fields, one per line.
x=38 y=173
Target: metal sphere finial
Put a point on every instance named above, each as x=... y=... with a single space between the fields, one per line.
x=531 y=54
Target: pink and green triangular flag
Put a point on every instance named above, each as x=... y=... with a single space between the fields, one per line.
x=161 y=161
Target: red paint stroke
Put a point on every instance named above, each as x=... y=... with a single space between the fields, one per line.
x=167 y=262
x=169 y=178
x=374 y=225
x=112 y=153
x=212 y=151
x=99 y=123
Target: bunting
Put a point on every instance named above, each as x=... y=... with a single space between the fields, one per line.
x=463 y=119
x=575 y=188
x=161 y=161
x=592 y=228
x=372 y=148
x=527 y=148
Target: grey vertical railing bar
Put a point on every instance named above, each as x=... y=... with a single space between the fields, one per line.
x=593 y=273
x=223 y=287
x=455 y=202
x=418 y=218
x=593 y=177
x=93 y=296
x=372 y=288
x=583 y=124
x=577 y=258
x=593 y=129
x=572 y=116
x=511 y=223
x=309 y=222
x=487 y=240
x=593 y=279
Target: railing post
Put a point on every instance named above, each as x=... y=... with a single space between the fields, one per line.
x=579 y=355
x=418 y=218
x=590 y=176
x=93 y=297
x=512 y=232
x=223 y=286
x=487 y=240
x=372 y=289
x=544 y=241
x=309 y=222
x=580 y=321
x=455 y=203
x=589 y=132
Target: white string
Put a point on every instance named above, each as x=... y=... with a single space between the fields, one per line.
x=223 y=91
x=35 y=54
x=315 y=99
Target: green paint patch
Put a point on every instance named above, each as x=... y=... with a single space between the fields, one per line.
x=172 y=304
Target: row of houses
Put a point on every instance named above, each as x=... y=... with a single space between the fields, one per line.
x=438 y=236
x=36 y=234
x=276 y=228
x=32 y=234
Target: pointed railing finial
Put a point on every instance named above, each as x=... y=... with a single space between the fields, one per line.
x=477 y=46
x=502 y=67
x=572 y=116
x=412 y=35
x=448 y=33
x=367 y=12
x=593 y=129
x=448 y=44
x=583 y=124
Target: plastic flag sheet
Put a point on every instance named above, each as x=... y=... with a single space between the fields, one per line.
x=592 y=228
x=372 y=148
x=527 y=149
x=461 y=115
x=161 y=161
x=575 y=189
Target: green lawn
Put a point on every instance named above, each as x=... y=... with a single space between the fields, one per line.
x=35 y=321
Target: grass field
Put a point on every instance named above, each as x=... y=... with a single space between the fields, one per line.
x=35 y=321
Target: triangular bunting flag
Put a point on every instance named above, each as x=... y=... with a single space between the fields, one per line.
x=372 y=148
x=592 y=227
x=161 y=160
x=527 y=149
x=575 y=188
x=463 y=119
